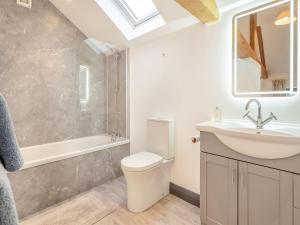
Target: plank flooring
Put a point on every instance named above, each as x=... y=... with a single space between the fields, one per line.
x=106 y=205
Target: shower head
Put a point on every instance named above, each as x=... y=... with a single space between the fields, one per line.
x=114 y=52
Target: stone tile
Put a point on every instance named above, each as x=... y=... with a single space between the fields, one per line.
x=95 y=169
x=103 y=167
x=40 y=54
x=40 y=187
x=117 y=155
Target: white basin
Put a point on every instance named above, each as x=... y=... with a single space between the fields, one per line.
x=275 y=141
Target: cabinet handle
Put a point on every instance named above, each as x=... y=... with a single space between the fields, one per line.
x=232 y=176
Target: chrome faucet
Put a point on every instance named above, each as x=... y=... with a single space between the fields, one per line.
x=259 y=122
x=114 y=136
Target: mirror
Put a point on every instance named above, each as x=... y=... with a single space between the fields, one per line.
x=84 y=80
x=265 y=50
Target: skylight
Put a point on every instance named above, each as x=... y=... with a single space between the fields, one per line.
x=133 y=17
x=139 y=11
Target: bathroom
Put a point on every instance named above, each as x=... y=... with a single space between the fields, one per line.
x=92 y=89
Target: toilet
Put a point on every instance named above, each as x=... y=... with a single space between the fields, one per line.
x=148 y=173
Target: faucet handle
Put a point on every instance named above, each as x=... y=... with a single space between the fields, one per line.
x=273 y=116
x=246 y=114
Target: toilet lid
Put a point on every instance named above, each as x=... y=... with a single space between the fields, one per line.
x=141 y=161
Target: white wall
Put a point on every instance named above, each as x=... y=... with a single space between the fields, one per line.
x=187 y=83
x=249 y=73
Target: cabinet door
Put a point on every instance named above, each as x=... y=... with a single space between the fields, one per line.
x=218 y=186
x=265 y=196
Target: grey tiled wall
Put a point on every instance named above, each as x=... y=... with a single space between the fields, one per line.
x=40 y=54
x=39 y=187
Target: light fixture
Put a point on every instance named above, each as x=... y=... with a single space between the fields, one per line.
x=284 y=18
x=25 y=3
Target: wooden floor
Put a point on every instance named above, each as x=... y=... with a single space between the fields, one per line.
x=106 y=205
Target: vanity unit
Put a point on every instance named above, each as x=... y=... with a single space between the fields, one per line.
x=249 y=176
x=250 y=173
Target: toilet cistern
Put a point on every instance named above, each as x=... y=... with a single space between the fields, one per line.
x=259 y=122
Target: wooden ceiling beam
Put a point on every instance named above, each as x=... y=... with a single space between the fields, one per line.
x=205 y=10
x=252 y=31
x=244 y=50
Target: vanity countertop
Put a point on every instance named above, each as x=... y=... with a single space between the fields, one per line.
x=276 y=140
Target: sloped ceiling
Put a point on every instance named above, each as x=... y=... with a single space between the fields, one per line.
x=91 y=20
x=94 y=23
x=224 y=3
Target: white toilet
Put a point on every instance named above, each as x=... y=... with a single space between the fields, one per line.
x=148 y=173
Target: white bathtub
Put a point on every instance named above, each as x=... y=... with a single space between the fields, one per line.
x=46 y=153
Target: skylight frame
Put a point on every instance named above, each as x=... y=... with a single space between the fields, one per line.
x=131 y=16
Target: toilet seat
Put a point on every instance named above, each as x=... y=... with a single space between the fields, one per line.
x=141 y=161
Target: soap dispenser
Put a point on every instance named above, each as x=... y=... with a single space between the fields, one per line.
x=217 y=114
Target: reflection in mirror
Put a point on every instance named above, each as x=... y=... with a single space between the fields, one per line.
x=264 y=60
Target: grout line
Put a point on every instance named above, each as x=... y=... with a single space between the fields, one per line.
x=107 y=68
x=108 y=214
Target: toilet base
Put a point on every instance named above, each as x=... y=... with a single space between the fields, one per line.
x=145 y=188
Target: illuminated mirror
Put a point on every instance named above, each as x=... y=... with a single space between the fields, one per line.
x=265 y=50
x=84 y=91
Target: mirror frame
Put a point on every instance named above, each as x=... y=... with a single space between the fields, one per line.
x=293 y=53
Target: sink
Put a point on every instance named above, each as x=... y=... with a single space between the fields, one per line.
x=275 y=141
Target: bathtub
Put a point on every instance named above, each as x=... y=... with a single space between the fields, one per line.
x=46 y=153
